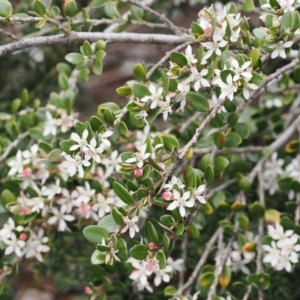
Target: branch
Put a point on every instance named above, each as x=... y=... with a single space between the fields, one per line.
x=161 y=17
x=12 y=145
x=200 y=263
x=242 y=150
x=125 y=37
x=219 y=268
x=248 y=292
x=8 y=34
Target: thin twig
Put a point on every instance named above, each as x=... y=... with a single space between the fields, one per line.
x=161 y=17
x=21 y=137
x=242 y=150
x=248 y=292
x=184 y=254
x=73 y=37
x=8 y=34
x=165 y=58
x=219 y=267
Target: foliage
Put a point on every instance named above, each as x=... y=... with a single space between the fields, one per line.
x=208 y=208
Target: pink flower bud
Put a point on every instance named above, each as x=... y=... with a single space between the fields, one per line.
x=207 y=31
x=152 y=246
x=167 y=195
x=26 y=172
x=25 y=211
x=129 y=147
x=23 y=236
x=138 y=172
x=88 y=290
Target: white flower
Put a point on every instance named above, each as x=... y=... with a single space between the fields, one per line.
x=51 y=190
x=103 y=206
x=50 y=125
x=214 y=46
x=140 y=274
x=293 y=168
x=199 y=192
x=198 y=78
x=280 y=49
x=16 y=164
x=142 y=115
x=166 y=107
x=104 y=142
x=60 y=218
x=7 y=229
x=181 y=202
x=112 y=164
x=140 y=157
x=163 y=275
x=243 y=71
x=189 y=55
x=274 y=102
x=66 y=200
x=81 y=141
x=65 y=122
x=83 y=194
x=14 y=245
x=177 y=265
x=248 y=86
x=72 y=164
x=35 y=245
x=131 y=225
x=228 y=90
x=174 y=181
x=156 y=95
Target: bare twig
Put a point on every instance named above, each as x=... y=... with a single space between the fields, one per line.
x=248 y=292
x=161 y=17
x=73 y=37
x=165 y=58
x=21 y=137
x=248 y=149
x=8 y=34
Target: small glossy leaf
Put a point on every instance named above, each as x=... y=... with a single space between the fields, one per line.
x=75 y=58
x=39 y=7
x=95 y=234
x=232 y=140
x=139 y=252
x=151 y=233
x=220 y=163
x=140 y=91
x=197 y=101
x=122 y=193
x=179 y=59
x=205 y=161
x=162 y=259
x=123 y=252
x=109 y=224
x=5 y=8
x=87 y=49
x=139 y=72
x=124 y=91
x=170 y=142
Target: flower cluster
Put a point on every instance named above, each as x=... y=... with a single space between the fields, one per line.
x=181 y=199
x=283 y=251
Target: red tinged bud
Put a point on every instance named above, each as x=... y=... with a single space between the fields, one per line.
x=23 y=236
x=152 y=246
x=138 y=172
x=167 y=195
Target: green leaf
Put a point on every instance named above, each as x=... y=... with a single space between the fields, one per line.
x=87 y=49
x=75 y=58
x=124 y=91
x=190 y=177
x=98 y=258
x=7 y=197
x=151 y=233
x=256 y=210
x=219 y=139
x=242 y=130
x=109 y=224
x=259 y=33
x=137 y=12
x=232 y=140
x=230 y=106
x=39 y=7
x=108 y=117
x=65 y=145
x=41 y=23
x=254 y=55
x=196 y=29
x=167 y=220
x=179 y=59
x=244 y=221
x=97 y=68
x=140 y=72
x=233 y=119
x=205 y=161
x=286 y=21
x=179 y=229
x=170 y=142
x=170 y=290
x=98 y=3
x=220 y=163
x=113 y=107
x=162 y=259
x=209 y=175
x=5 y=8
x=123 y=252
x=99 y=56
x=95 y=234
x=118 y=217
x=197 y=101
x=137 y=122
x=248 y=6
x=122 y=193
x=140 y=90
x=63 y=81
x=139 y=252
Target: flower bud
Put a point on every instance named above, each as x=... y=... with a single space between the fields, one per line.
x=23 y=236
x=25 y=211
x=152 y=246
x=138 y=172
x=26 y=172
x=88 y=290
x=207 y=31
x=167 y=195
